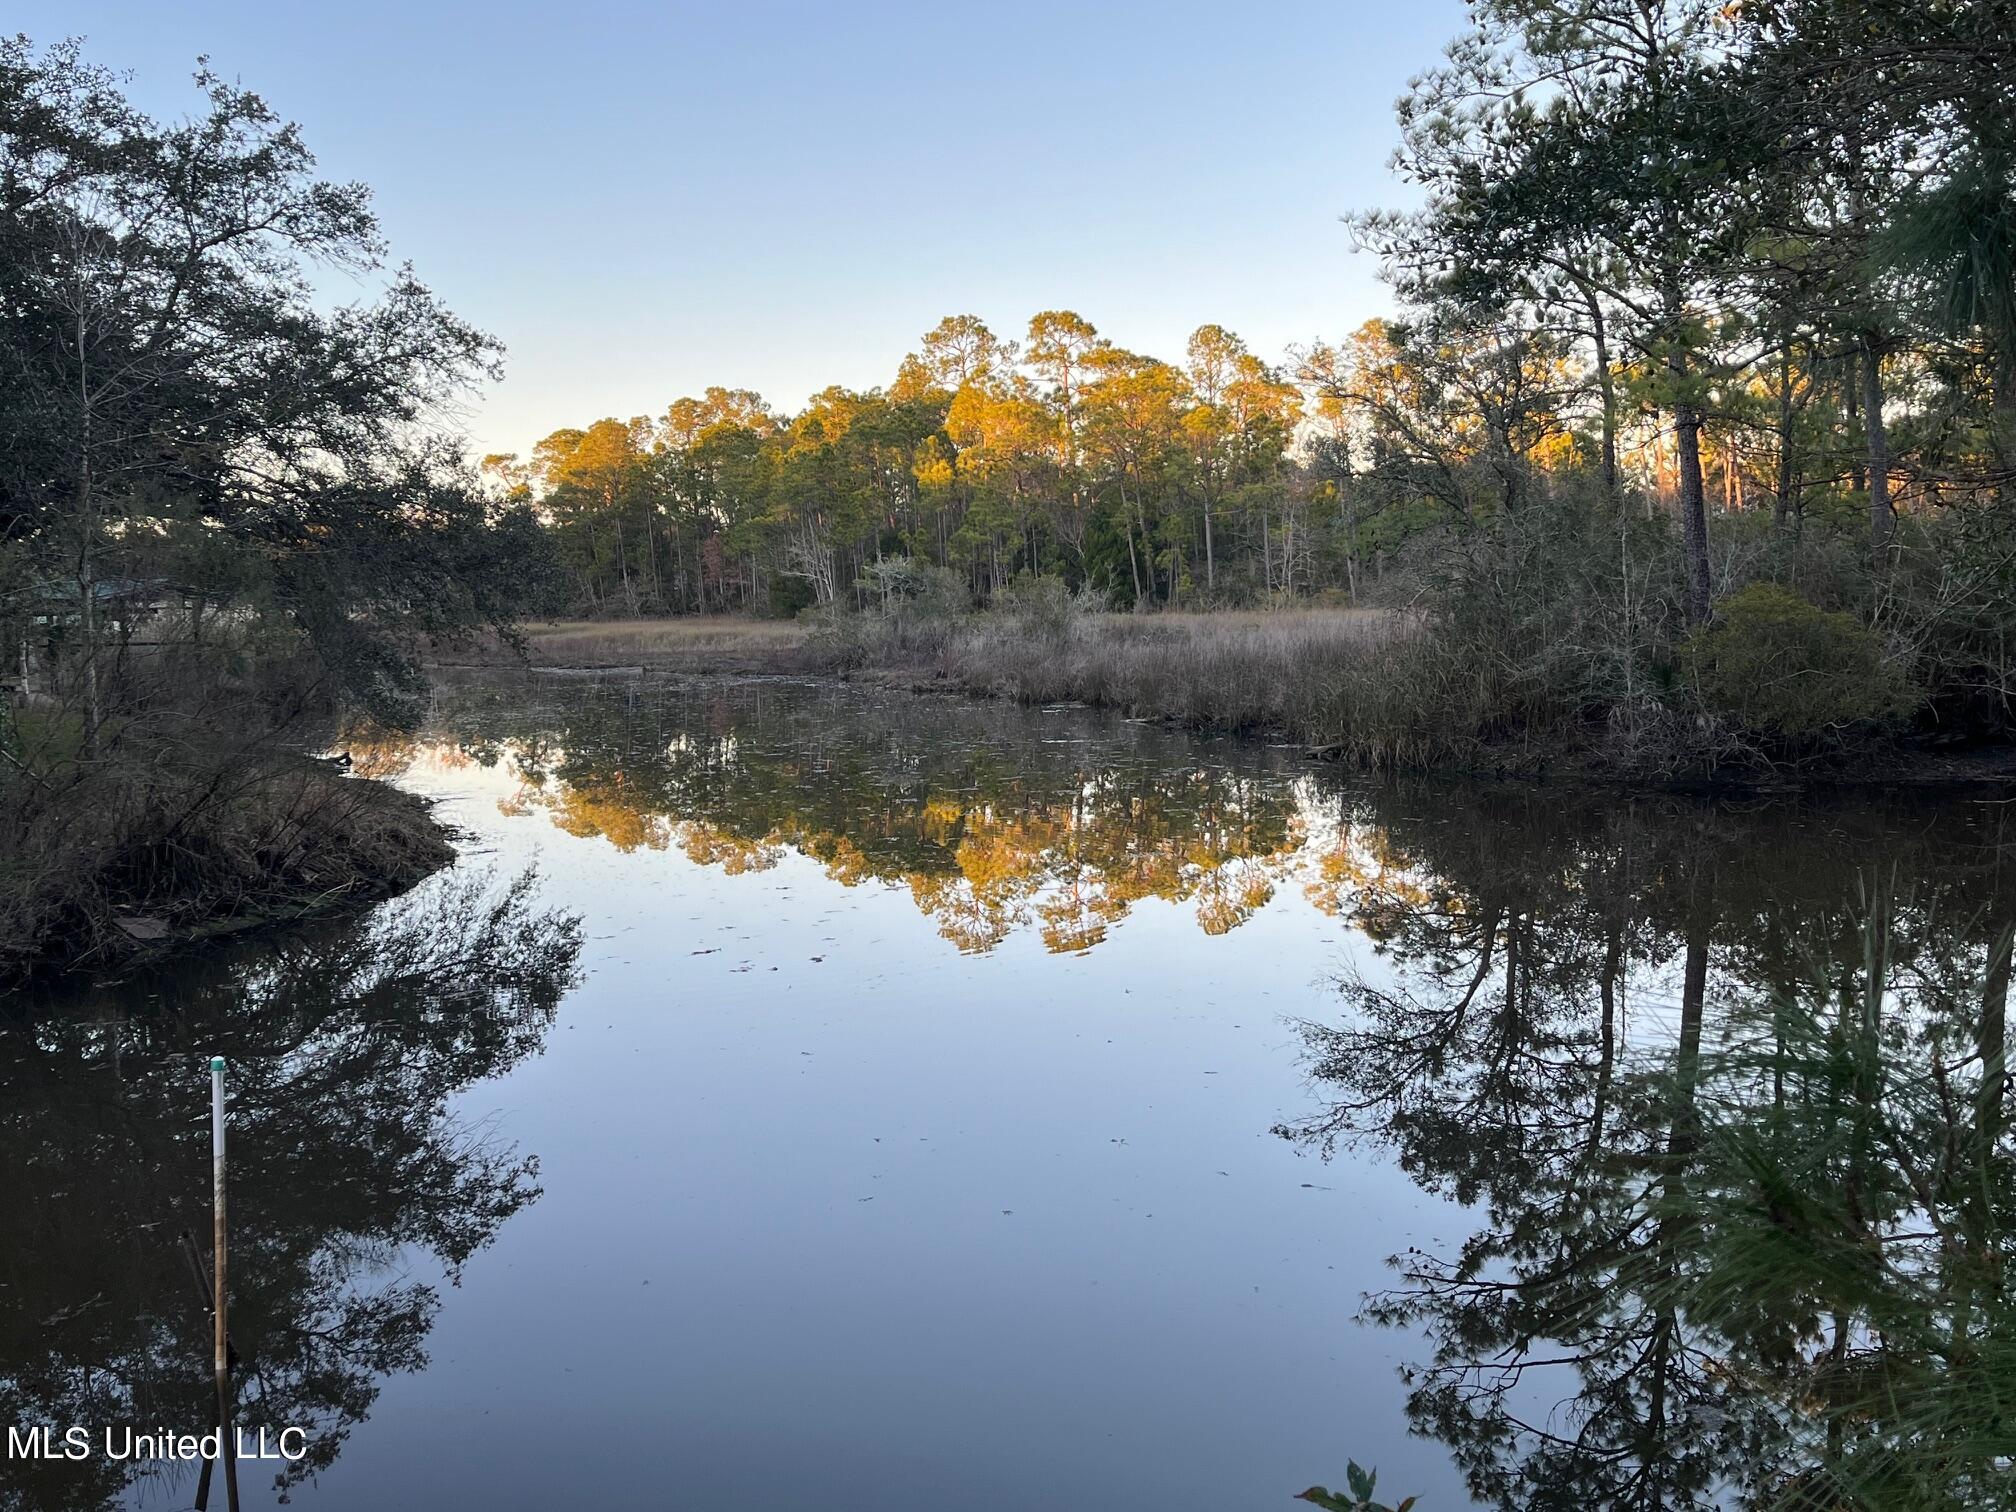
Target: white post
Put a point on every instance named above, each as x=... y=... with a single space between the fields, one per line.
x=226 y=1446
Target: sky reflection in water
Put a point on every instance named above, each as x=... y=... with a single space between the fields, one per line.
x=913 y=1135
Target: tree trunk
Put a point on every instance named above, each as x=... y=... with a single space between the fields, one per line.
x=1693 y=512
x=1147 y=543
x=1881 y=516
x=1851 y=405
x=1781 y=504
x=87 y=541
x=2002 y=412
x=1606 y=386
x=1348 y=499
x=1210 y=554
x=1133 y=568
x=87 y=624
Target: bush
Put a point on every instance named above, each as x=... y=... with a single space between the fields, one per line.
x=1046 y=607
x=905 y=588
x=789 y=596
x=1792 y=673
x=914 y=608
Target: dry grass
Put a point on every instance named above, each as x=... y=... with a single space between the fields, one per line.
x=194 y=844
x=1298 y=674
x=713 y=643
x=1325 y=625
x=566 y=640
x=683 y=643
x=1367 y=685
x=1360 y=682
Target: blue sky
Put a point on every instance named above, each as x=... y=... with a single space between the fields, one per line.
x=641 y=200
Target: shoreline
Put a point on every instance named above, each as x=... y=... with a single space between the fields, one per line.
x=713 y=647
x=379 y=841
x=373 y=841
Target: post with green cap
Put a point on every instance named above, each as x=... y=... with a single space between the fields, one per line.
x=226 y=1445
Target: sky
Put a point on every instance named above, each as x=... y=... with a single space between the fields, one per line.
x=643 y=200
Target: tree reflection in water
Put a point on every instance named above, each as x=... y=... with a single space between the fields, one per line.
x=991 y=822
x=347 y=1045
x=1727 y=1097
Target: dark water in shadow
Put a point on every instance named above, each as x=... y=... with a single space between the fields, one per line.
x=941 y=1104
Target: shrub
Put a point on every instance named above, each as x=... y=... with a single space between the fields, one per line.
x=1788 y=671
x=906 y=588
x=789 y=596
x=1046 y=607
x=914 y=609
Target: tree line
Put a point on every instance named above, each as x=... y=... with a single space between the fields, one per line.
x=1745 y=273
x=1061 y=454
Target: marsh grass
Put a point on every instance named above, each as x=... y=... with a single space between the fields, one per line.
x=195 y=844
x=710 y=643
x=1309 y=676
x=193 y=811
x=598 y=640
x=1379 y=688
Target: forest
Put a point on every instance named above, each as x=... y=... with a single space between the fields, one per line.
x=1706 y=322
x=1596 y=604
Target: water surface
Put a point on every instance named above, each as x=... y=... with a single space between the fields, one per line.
x=808 y=1096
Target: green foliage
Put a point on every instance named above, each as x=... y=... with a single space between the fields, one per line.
x=223 y=507
x=1793 y=673
x=1358 y=1499
x=788 y=597
x=177 y=409
x=1045 y=607
x=908 y=589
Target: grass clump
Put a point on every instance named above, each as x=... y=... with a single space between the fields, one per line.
x=175 y=848
x=194 y=810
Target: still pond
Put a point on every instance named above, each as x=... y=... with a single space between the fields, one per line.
x=808 y=1097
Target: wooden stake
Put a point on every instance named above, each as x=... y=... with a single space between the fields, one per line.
x=201 y=1278
x=227 y=1448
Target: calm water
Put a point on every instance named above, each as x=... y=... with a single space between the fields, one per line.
x=808 y=1097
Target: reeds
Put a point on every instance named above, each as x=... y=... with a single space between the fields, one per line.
x=1373 y=687
x=593 y=641
x=712 y=643
x=1248 y=672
